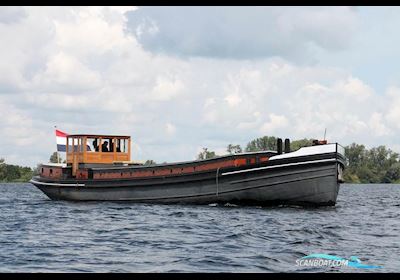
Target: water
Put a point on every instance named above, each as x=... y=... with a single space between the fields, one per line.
x=40 y=235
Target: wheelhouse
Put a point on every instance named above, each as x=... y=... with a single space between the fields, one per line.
x=97 y=149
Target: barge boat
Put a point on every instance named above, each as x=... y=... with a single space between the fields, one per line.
x=308 y=176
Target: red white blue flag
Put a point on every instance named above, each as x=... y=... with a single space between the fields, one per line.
x=61 y=138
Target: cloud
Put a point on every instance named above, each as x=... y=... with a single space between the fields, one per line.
x=275 y=122
x=378 y=126
x=170 y=129
x=66 y=73
x=166 y=89
x=9 y=15
x=243 y=32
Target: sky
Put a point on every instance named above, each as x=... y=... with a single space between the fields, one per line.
x=177 y=79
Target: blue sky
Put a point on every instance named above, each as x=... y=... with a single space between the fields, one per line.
x=178 y=79
x=374 y=50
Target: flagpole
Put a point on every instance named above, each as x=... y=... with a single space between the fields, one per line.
x=58 y=158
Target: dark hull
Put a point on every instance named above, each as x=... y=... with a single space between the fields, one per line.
x=313 y=182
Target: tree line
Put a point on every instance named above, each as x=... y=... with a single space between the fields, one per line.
x=375 y=165
x=14 y=173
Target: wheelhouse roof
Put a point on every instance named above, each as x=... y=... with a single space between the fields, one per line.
x=99 y=135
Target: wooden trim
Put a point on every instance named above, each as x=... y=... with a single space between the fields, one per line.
x=129 y=149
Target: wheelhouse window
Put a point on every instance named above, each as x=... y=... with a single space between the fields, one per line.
x=93 y=144
x=73 y=145
x=80 y=145
x=105 y=145
x=111 y=145
x=122 y=146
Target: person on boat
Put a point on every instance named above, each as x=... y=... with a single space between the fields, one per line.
x=96 y=147
x=104 y=147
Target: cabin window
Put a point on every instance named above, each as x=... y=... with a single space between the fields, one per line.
x=80 y=145
x=122 y=146
x=110 y=145
x=113 y=145
x=75 y=144
x=93 y=144
x=42 y=170
x=105 y=145
x=70 y=147
x=51 y=171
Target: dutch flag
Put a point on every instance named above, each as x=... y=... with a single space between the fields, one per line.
x=61 y=138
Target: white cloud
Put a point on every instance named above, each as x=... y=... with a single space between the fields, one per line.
x=376 y=123
x=355 y=88
x=275 y=122
x=170 y=129
x=66 y=73
x=243 y=32
x=166 y=89
x=9 y=15
x=392 y=114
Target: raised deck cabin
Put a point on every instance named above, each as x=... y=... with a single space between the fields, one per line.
x=97 y=149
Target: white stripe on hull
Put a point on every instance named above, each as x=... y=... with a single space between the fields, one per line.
x=281 y=165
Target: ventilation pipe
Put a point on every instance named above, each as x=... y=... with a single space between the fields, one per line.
x=287 y=145
x=279 y=145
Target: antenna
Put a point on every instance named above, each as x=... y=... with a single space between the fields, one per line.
x=325 y=134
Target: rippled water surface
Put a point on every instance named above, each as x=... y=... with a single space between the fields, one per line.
x=40 y=235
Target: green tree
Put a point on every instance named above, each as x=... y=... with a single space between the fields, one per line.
x=234 y=149
x=54 y=159
x=14 y=173
x=2 y=169
x=262 y=144
x=150 y=162
x=377 y=165
x=206 y=154
x=355 y=154
x=297 y=144
x=392 y=175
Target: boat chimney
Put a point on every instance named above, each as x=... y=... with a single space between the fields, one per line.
x=287 y=145
x=279 y=145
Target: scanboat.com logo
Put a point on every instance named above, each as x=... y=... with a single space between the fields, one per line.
x=332 y=261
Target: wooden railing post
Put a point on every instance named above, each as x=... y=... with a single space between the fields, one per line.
x=129 y=149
